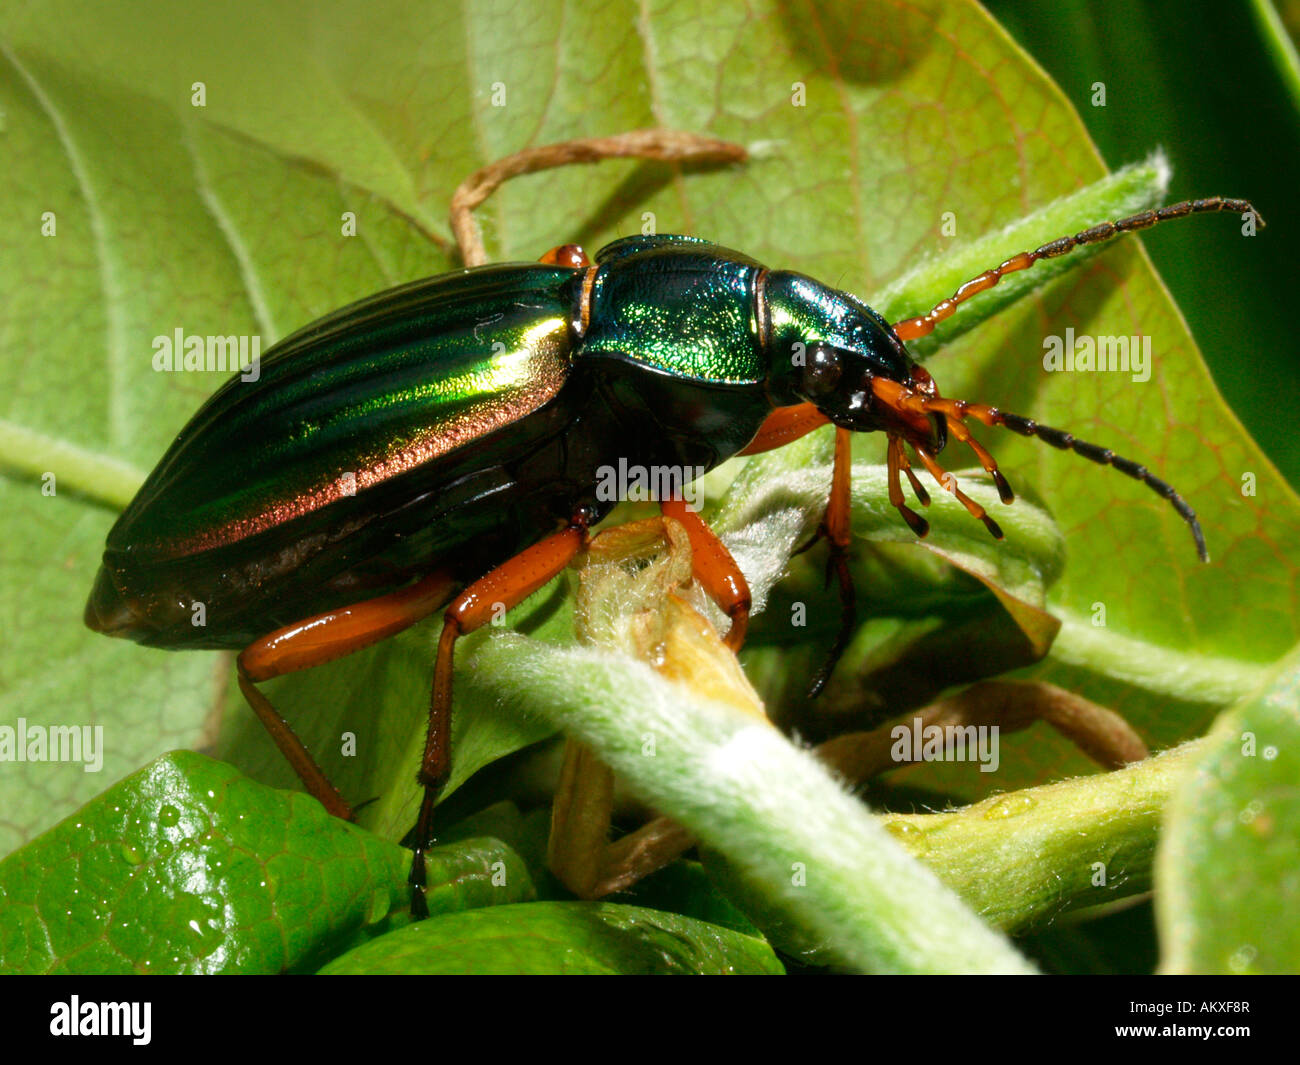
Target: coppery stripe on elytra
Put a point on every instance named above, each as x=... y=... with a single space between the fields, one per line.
x=584 y=306
x=548 y=371
x=762 y=314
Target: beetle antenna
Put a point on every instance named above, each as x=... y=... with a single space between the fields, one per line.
x=912 y=328
x=956 y=411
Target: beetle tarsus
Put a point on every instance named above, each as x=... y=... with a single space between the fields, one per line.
x=838 y=563
x=1004 y=488
x=915 y=522
x=922 y=496
x=810 y=543
x=418 y=881
x=423 y=839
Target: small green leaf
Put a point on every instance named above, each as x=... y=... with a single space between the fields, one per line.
x=1226 y=871
x=188 y=867
x=924 y=624
x=569 y=938
x=685 y=888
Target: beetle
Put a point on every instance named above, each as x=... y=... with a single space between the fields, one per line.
x=438 y=446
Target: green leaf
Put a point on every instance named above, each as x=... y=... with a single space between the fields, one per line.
x=569 y=938
x=1226 y=872
x=1280 y=48
x=1184 y=84
x=685 y=888
x=187 y=867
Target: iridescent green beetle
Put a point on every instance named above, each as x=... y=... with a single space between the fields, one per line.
x=439 y=445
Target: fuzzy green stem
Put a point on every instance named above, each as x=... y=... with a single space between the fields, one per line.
x=1024 y=857
x=822 y=862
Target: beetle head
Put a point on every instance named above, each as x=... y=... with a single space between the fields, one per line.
x=830 y=349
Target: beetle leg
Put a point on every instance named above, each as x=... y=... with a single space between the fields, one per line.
x=835 y=529
x=949 y=483
x=921 y=494
x=504 y=587
x=715 y=569
x=318 y=785
x=784 y=426
x=321 y=639
x=896 y=459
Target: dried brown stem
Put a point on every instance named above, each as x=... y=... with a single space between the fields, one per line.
x=668 y=145
x=1099 y=733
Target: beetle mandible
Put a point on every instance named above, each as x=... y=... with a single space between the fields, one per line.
x=437 y=445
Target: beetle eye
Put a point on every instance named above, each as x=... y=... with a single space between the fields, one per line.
x=821 y=373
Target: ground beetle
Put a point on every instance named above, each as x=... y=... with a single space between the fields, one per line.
x=438 y=445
